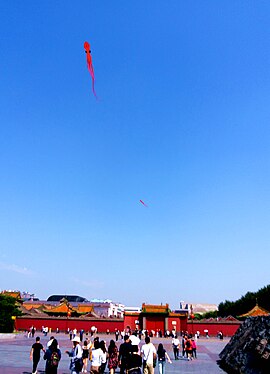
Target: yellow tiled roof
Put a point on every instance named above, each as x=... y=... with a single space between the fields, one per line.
x=256 y=311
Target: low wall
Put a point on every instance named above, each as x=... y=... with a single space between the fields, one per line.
x=63 y=323
x=227 y=328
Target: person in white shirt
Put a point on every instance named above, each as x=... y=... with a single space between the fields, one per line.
x=76 y=362
x=97 y=355
x=102 y=346
x=176 y=346
x=149 y=355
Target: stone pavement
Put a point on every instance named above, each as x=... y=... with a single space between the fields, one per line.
x=14 y=355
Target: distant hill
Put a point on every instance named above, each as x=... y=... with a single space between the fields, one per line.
x=202 y=308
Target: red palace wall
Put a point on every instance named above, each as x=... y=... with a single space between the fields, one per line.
x=63 y=324
x=24 y=323
x=227 y=328
x=129 y=320
x=155 y=323
x=179 y=324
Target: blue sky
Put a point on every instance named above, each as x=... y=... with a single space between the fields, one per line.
x=182 y=122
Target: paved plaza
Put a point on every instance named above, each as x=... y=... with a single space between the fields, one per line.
x=14 y=353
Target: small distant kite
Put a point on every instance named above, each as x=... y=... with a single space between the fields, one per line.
x=90 y=65
x=143 y=203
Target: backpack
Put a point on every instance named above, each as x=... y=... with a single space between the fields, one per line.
x=54 y=360
x=188 y=344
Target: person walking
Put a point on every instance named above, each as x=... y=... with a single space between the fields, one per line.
x=124 y=352
x=102 y=346
x=162 y=356
x=176 y=346
x=183 y=345
x=112 y=357
x=96 y=354
x=52 y=357
x=149 y=355
x=76 y=361
x=134 y=361
x=194 y=348
x=85 y=355
x=188 y=348
x=35 y=354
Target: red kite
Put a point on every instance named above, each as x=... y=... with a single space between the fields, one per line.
x=90 y=65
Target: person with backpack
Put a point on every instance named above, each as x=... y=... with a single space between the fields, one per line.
x=52 y=357
x=134 y=361
x=76 y=362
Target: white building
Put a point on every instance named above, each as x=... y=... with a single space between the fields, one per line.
x=107 y=308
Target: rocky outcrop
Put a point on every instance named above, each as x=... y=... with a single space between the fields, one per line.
x=248 y=351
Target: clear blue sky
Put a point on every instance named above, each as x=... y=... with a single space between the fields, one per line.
x=182 y=123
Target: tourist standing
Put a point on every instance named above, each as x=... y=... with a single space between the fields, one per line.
x=112 y=357
x=183 y=345
x=81 y=334
x=76 y=362
x=74 y=333
x=162 y=356
x=117 y=333
x=35 y=353
x=52 y=357
x=149 y=355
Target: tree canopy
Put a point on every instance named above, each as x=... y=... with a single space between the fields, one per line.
x=8 y=308
x=245 y=303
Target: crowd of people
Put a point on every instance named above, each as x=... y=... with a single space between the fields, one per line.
x=130 y=357
x=52 y=355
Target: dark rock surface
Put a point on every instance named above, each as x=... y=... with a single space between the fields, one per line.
x=248 y=351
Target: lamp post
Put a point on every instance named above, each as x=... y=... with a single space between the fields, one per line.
x=192 y=317
x=68 y=314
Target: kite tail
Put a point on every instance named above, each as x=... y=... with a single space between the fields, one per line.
x=93 y=89
x=91 y=70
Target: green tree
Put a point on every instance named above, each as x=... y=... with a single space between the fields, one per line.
x=246 y=303
x=8 y=308
x=211 y=314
